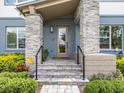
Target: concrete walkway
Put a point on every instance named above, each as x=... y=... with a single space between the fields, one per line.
x=60 y=89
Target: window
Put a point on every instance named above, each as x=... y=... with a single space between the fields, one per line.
x=15 y=37
x=111 y=37
x=22 y=0
x=9 y=2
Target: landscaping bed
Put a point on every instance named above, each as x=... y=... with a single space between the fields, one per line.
x=112 y=83
x=14 y=77
x=17 y=83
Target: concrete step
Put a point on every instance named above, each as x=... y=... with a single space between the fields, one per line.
x=59 y=65
x=69 y=70
x=59 y=68
x=65 y=73
x=61 y=76
x=62 y=81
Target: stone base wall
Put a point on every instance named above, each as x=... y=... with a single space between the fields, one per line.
x=34 y=35
x=99 y=63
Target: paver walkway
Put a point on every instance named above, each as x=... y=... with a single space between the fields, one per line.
x=60 y=89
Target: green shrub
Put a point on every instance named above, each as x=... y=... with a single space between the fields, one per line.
x=119 y=86
x=114 y=76
x=120 y=64
x=119 y=56
x=92 y=87
x=45 y=54
x=118 y=75
x=14 y=75
x=105 y=86
x=18 y=85
x=101 y=76
x=8 y=62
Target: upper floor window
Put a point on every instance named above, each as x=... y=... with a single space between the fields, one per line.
x=111 y=37
x=22 y=0
x=9 y=2
x=15 y=37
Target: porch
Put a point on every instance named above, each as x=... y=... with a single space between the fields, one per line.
x=60 y=26
x=67 y=28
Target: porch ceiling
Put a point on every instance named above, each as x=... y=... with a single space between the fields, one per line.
x=50 y=9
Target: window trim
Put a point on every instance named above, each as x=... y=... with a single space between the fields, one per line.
x=110 y=46
x=17 y=48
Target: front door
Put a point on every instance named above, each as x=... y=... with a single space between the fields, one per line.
x=62 y=43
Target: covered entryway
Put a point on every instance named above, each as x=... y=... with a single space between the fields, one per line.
x=46 y=18
x=56 y=20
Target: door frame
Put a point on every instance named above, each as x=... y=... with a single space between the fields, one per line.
x=66 y=53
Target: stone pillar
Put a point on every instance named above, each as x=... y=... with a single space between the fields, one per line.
x=34 y=37
x=89 y=26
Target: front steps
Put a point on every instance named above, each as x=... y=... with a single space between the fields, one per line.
x=60 y=74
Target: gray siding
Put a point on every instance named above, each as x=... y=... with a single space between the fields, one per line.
x=15 y=22
x=112 y=20
x=50 y=39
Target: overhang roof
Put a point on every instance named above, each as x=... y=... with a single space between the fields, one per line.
x=50 y=9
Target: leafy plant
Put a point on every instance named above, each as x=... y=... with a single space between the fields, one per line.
x=120 y=63
x=15 y=75
x=45 y=54
x=114 y=76
x=118 y=75
x=16 y=83
x=21 y=67
x=105 y=86
x=8 y=62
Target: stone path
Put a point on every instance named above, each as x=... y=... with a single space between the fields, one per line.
x=60 y=89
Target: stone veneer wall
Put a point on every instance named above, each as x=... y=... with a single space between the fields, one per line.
x=99 y=63
x=89 y=26
x=89 y=40
x=34 y=32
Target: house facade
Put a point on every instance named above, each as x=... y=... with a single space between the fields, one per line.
x=62 y=25
x=110 y=17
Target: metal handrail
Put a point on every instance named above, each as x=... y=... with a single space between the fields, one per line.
x=83 y=59
x=36 y=56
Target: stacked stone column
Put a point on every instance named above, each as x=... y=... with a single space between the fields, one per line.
x=34 y=37
x=89 y=26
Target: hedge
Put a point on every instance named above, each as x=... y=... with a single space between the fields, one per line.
x=14 y=75
x=105 y=86
x=9 y=62
x=17 y=83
